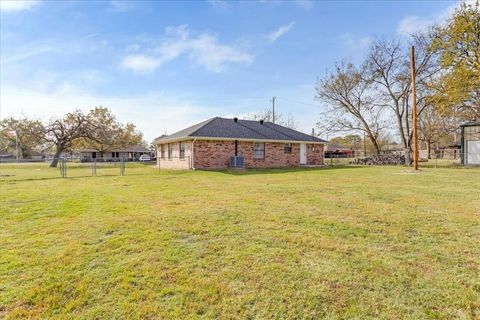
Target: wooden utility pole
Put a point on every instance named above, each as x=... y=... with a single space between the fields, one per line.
x=273 y=109
x=414 y=111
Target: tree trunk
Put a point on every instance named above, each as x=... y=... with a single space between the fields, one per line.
x=408 y=156
x=428 y=150
x=58 y=152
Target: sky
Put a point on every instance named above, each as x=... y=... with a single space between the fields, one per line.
x=167 y=65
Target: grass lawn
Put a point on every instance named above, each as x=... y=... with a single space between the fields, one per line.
x=345 y=242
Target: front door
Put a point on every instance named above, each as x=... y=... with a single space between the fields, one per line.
x=473 y=152
x=303 y=153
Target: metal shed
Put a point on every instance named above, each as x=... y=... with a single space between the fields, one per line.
x=470 y=143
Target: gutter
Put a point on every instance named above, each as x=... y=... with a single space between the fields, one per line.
x=239 y=139
x=192 y=158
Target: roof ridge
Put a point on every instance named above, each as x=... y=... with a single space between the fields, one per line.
x=253 y=130
x=203 y=125
x=284 y=134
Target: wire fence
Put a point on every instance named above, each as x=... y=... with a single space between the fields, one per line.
x=34 y=169
x=73 y=168
x=469 y=160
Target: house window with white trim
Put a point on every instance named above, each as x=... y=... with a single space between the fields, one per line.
x=162 y=151
x=182 y=150
x=287 y=148
x=170 y=151
x=259 y=150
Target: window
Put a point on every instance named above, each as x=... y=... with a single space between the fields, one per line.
x=115 y=154
x=162 y=151
x=170 y=151
x=287 y=148
x=182 y=150
x=259 y=150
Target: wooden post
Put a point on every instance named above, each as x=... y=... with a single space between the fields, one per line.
x=414 y=110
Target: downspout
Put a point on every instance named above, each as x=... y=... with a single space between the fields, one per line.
x=193 y=154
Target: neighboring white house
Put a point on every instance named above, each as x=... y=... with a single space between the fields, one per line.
x=130 y=153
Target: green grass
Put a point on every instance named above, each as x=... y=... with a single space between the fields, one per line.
x=336 y=243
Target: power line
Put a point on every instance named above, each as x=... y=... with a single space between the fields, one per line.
x=300 y=102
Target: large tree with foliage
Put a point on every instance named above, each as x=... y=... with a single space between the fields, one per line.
x=28 y=136
x=458 y=43
x=106 y=133
x=350 y=106
x=62 y=133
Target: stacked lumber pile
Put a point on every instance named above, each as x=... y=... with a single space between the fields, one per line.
x=381 y=160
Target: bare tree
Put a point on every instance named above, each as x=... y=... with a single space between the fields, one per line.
x=350 y=107
x=267 y=115
x=387 y=68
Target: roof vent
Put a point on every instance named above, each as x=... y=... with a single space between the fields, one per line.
x=235 y=119
x=261 y=121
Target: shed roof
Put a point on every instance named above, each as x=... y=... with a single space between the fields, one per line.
x=241 y=129
x=334 y=147
x=471 y=124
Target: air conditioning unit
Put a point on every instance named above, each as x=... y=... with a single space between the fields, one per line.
x=237 y=162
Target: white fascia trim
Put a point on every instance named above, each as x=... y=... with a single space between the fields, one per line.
x=233 y=139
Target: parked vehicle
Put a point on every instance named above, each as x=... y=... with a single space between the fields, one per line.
x=145 y=157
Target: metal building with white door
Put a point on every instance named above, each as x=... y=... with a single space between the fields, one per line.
x=470 y=143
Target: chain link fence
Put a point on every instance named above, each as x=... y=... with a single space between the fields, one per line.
x=72 y=168
x=470 y=160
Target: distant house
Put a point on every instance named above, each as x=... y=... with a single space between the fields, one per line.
x=130 y=153
x=451 y=151
x=221 y=143
x=470 y=143
x=333 y=150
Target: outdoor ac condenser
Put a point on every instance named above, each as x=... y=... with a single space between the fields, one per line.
x=237 y=162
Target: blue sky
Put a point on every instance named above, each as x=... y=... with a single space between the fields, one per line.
x=166 y=65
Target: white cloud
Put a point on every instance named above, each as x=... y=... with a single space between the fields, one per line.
x=17 y=5
x=272 y=37
x=413 y=23
x=306 y=4
x=140 y=63
x=355 y=43
x=121 y=5
x=30 y=52
x=203 y=48
x=153 y=113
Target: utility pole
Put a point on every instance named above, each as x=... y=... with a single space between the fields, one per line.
x=414 y=111
x=273 y=109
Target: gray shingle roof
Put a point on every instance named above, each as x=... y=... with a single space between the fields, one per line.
x=242 y=129
x=135 y=148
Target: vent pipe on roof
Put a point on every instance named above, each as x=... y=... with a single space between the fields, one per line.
x=235 y=119
x=261 y=121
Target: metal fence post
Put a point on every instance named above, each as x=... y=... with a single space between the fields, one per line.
x=94 y=167
x=63 y=168
x=122 y=166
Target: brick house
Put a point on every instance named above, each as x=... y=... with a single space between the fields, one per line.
x=220 y=143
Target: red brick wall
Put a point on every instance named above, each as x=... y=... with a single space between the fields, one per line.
x=216 y=154
x=315 y=154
